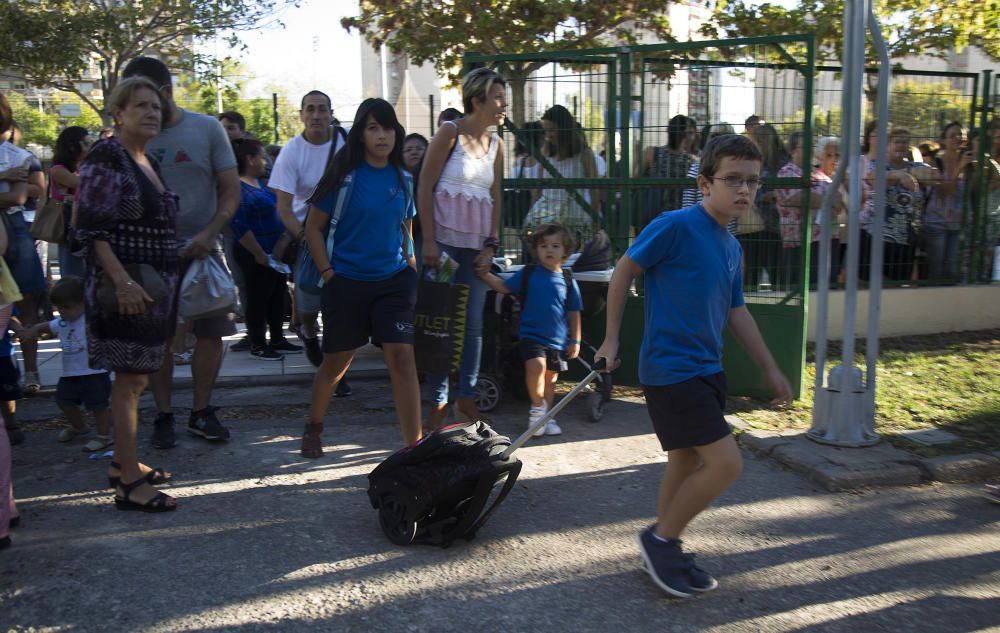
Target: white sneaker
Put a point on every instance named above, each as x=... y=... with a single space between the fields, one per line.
x=551 y=428
x=534 y=415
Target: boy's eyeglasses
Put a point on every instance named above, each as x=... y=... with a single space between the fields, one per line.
x=735 y=182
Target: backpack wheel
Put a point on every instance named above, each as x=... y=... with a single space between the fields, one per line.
x=488 y=392
x=391 y=518
x=595 y=406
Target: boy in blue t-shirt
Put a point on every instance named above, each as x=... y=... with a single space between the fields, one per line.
x=693 y=287
x=550 y=321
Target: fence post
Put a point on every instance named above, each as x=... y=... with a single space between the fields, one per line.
x=431 y=98
x=274 y=109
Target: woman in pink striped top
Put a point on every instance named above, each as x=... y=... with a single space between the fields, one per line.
x=459 y=205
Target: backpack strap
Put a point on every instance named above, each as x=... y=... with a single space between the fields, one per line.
x=408 y=200
x=343 y=196
x=526 y=273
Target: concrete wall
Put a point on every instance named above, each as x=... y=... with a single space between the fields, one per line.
x=907 y=311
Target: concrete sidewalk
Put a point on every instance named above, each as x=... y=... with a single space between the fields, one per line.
x=237 y=367
x=267 y=541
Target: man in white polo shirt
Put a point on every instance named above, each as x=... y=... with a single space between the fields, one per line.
x=296 y=171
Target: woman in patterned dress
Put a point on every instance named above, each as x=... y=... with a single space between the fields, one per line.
x=126 y=216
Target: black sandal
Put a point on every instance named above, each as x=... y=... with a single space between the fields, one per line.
x=155 y=477
x=156 y=504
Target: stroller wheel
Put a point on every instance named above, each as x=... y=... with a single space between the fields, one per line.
x=488 y=392
x=396 y=527
x=595 y=406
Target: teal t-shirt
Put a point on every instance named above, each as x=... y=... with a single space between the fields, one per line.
x=693 y=278
x=368 y=244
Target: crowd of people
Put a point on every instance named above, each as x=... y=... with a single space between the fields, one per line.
x=929 y=199
x=367 y=207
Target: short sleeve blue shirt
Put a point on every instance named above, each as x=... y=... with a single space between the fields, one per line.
x=543 y=319
x=693 y=278
x=368 y=244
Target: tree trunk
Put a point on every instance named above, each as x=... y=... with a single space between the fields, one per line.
x=517 y=85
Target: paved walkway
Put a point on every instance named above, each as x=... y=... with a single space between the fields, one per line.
x=236 y=366
x=267 y=541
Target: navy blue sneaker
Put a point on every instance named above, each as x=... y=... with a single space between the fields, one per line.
x=699 y=579
x=666 y=563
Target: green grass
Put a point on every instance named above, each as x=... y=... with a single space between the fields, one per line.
x=945 y=381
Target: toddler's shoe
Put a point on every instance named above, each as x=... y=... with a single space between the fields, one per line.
x=70 y=433
x=551 y=428
x=97 y=443
x=534 y=415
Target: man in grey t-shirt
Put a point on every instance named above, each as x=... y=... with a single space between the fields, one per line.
x=197 y=163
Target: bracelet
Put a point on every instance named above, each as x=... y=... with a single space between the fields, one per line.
x=324 y=271
x=491 y=242
x=573 y=341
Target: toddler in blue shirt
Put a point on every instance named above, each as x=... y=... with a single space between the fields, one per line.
x=550 y=321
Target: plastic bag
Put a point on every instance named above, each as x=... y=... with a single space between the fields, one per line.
x=207 y=290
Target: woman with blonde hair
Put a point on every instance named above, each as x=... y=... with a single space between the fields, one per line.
x=458 y=201
x=126 y=218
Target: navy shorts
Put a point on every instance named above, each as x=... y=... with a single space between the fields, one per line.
x=10 y=379
x=554 y=359
x=356 y=311
x=688 y=413
x=93 y=391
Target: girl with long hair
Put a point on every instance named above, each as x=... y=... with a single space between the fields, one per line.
x=369 y=276
x=71 y=148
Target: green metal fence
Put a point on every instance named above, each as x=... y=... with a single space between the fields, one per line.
x=616 y=104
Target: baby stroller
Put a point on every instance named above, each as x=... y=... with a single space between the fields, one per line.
x=501 y=369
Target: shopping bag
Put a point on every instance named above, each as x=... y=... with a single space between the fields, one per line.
x=439 y=326
x=50 y=222
x=207 y=290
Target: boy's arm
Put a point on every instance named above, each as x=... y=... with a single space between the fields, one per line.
x=744 y=328
x=495 y=283
x=626 y=271
x=573 y=344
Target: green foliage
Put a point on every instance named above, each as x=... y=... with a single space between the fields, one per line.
x=923 y=107
x=441 y=32
x=53 y=43
x=199 y=94
x=38 y=127
x=923 y=27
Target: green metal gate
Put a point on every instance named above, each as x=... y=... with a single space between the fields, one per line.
x=622 y=99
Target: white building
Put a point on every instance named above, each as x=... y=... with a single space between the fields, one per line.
x=417 y=92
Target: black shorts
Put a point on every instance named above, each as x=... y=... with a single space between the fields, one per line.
x=555 y=360
x=688 y=413
x=356 y=311
x=10 y=379
x=93 y=391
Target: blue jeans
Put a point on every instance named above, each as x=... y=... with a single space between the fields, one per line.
x=468 y=369
x=942 y=254
x=22 y=257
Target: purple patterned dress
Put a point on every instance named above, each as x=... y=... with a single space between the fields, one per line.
x=118 y=204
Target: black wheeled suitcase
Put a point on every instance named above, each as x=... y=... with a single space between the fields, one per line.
x=447 y=485
x=442 y=488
